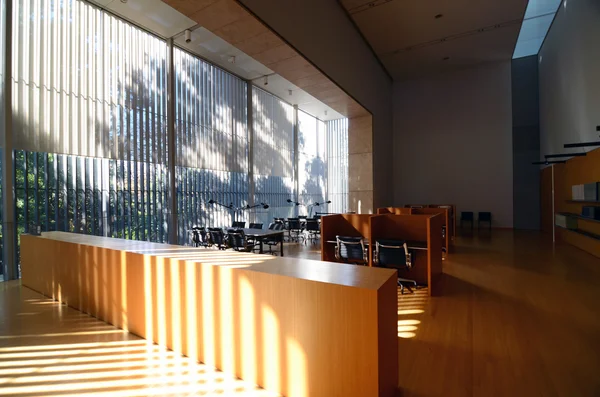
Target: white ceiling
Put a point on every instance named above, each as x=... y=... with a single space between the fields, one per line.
x=162 y=19
x=411 y=41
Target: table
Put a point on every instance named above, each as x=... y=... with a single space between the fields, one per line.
x=261 y=235
x=268 y=320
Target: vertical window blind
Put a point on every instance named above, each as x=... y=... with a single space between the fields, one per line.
x=337 y=165
x=312 y=161
x=273 y=155
x=211 y=142
x=89 y=119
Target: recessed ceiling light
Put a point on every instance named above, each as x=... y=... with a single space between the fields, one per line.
x=445 y=58
x=438 y=16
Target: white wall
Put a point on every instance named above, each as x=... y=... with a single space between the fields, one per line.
x=324 y=34
x=453 y=141
x=569 y=73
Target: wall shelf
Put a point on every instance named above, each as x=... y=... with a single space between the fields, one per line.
x=582 y=232
x=583 y=202
x=579 y=217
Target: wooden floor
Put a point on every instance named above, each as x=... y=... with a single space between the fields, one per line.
x=48 y=349
x=517 y=318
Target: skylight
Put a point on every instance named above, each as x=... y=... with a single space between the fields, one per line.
x=538 y=18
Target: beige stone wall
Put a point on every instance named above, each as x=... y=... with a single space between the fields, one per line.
x=360 y=164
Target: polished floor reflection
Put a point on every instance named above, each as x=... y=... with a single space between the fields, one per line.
x=48 y=349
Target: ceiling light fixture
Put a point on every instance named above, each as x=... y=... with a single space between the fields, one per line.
x=232 y=59
x=266 y=80
x=290 y=92
x=445 y=58
x=438 y=16
x=123 y=1
x=325 y=112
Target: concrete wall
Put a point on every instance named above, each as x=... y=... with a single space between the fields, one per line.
x=453 y=141
x=526 y=143
x=360 y=165
x=323 y=33
x=569 y=68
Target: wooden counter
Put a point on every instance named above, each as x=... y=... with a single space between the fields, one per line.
x=298 y=327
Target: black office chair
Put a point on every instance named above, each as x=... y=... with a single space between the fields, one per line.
x=484 y=217
x=394 y=254
x=236 y=238
x=217 y=237
x=294 y=229
x=272 y=241
x=466 y=217
x=351 y=250
x=256 y=226
x=238 y=225
x=313 y=229
x=199 y=237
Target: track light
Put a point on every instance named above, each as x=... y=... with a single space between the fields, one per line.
x=188 y=35
x=266 y=80
x=582 y=144
x=548 y=162
x=290 y=92
x=554 y=156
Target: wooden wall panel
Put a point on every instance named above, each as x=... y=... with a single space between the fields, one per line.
x=329 y=333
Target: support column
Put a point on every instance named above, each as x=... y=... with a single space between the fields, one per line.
x=9 y=260
x=360 y=164
x=172 y=211
x=250 y=120
x=296 y=173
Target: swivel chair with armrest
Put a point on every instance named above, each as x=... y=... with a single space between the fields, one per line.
x=217 y=237
x=351 y=250
x=313 y=229
x=199 y=236
x=238 y=224
x=394 y=254
x=295 y=229
x=237 y=240
x=272 y=241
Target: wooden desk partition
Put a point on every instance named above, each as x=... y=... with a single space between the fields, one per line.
x=447 y=242
x=452 y=215
x=394 y=210
x=423 y=228
x=298 y=327
x=350 y=225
